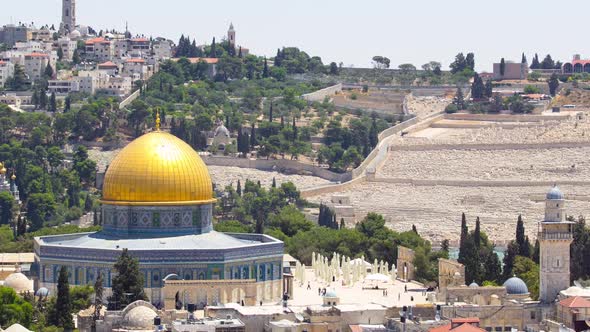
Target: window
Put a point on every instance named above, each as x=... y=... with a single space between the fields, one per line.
x=507 y=328
x=533 y=315
x=498 y=328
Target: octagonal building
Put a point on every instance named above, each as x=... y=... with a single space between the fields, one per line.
x=158 y=203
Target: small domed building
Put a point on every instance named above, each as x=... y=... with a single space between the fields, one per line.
x=157 y=202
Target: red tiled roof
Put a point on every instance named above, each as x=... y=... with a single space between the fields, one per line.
x=197 y=60
x=95 y=40
x=136 y=60
x=142 y=40
x=108 y=64
x=444 y=328
x=466 y=327
x=575 y=302
x=38 y=55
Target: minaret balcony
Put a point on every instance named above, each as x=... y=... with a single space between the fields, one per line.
x=555 y=236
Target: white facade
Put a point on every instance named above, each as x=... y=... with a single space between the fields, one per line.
x=35 y=64
x=6 y=71
x=63 y=86
x=162 y=49
x=67 y=46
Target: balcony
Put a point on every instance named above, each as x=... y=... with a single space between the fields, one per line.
x=555 y=236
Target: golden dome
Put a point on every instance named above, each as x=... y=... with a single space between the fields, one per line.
x=3 y=170
x=13 y=177
x=157 y=169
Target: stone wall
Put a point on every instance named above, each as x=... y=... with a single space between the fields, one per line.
x=476 y=183
x=514 y=146
x=283 y=165
x=504 y=117
x=320 y=95
x=129 y=99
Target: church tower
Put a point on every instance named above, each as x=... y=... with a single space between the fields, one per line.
x=555 y=236
x=231 y=35
x=68 y=16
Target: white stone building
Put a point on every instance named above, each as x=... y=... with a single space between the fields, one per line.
x=68 y=47
x=35 y=64
x=6 y=71
x=162 y=49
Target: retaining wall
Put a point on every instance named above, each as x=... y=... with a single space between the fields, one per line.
x=331 y=188
x=476 y=183
x=129 y=99
x=323 y=93
x=511 y=146
x=505 y=117
x=282 y=165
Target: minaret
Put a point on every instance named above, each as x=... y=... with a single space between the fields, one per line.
x=68 y=16
x=231 y=35
x=555 y=237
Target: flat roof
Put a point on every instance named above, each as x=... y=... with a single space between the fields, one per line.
x=14 y=258
x=99 y=240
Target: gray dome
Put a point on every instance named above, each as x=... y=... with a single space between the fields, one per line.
x=221 y=131
x=42 y=292
x=473 y=285
x=140 y=317
x=330 y=293
x=515 y=286
x=555 y=193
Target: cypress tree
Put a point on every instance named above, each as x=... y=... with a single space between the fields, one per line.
x=278 y=58
x=42 y=99
x=459 y=100
x=295 y=134
x=477 y=87
x=240 y=53
x=270 y=112
x=265 y=72
x=493 y=269
x=414 y=229
x=213 y=53
x=342 y=224
x=88 y=203
x=523 y=59
x=35 y=98
x=525 y=250
x=373 y=134
x=509 y=257
x=477 y=234
x=536 y=251
x=282 y=122
x=49 y=71
x=239 y=188
x=98 y=294
x=463 y=239
x=274 y=182
x=489 y=89
x=520 y=238
x=68 y=104
x=502 y=67
x=253 y=141
x=553 y=84
x=63 y=303
x=52 y=103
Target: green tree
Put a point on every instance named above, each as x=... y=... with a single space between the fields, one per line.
x=502 y=67
x=40 y=206
x=459 y=100
x=63 y=303
x=489 y=89
x=18 y=81
x=478 y=89
x=60 y=54
x=528 y=271
x=520 y=235
x=553 y=84
x=14 y=309
x=459 y=64
x=509 y=259
x=128 y=280
x=7 y=208
x=48 y=71
x=52 y=103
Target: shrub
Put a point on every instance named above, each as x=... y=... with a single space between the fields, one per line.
x=451 y=108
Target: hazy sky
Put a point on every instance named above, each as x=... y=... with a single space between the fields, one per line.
x=351 y=32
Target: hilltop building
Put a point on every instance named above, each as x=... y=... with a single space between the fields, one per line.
x=68 y=16
x=158 y=202
x=577 y=65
